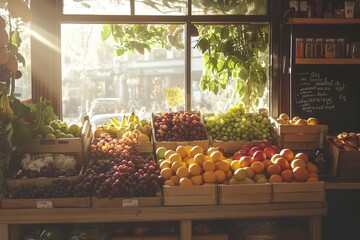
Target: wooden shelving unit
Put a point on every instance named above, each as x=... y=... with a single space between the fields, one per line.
x=337 y=61
x=184 y=214
x=333 y=21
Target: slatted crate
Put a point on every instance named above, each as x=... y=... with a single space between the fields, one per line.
x=244 y=193
x=190 y=195
x=298 y=192
x=155 y=201
x=298 y=138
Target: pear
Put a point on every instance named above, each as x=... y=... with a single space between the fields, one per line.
x=138 y=127
x=131 y=126
x=120 y=132
x=146 y=129
x=144 y=122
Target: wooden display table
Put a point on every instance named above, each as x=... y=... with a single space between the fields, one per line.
x=313 y=210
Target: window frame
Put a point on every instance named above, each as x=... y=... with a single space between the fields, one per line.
x=46 y=60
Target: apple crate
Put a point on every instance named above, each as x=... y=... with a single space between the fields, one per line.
x=63 y=145
x=190 y=195
x=344 y=164
x=172 y=145
x=155 y=201
x=298 y=138
x=68 y=202
x=298 y=192
x=244 y=193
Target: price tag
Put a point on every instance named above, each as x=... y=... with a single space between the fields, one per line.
x=130 y=202
x=44 y=204
x=174 y=97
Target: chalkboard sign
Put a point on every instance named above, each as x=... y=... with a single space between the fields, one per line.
x=329 y=92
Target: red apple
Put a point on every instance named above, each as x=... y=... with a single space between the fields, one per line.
x=246 y=148
x=221 y=150
x=239 y=154
x=253 y=150
x=262 y=144
x=269 y=152
x=259 y=156
x=276 y=147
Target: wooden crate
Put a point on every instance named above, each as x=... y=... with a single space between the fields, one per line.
x=62 y=145
x=81 y=202
x=298 y=138
x=155 y=201
x=146 y=147
x=13 y=182
x=343 y=164
x=160 y=237
x=189 y=195
x=244 y=193
x=298 y=192
x=172 y=145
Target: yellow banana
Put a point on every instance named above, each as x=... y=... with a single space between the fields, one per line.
x=132 y=117
x=124 y=121
x=115 y=122
x=8 y=110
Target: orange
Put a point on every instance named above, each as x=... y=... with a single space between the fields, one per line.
x=298 y=163
x=185 y=182
x=164 y=164
x=196 y=149
x=288 y=154
x=283 y=163
x=228 y=160
x=302 y=156
x=250 y=172
x=222 y=165
x=166 y=173
x=182 y=172
x=190 y=161
x=220 y=176
x=275 y=156
x=175 y=179
x=169 y=182
x=315 y=175
x=275 y=178
x=300 y=174
x=209 y=166
x=216 y=156
x=312 y=179
x=197 y=180
x=199 y=158
x=168 y=153
x=211 y=149
x=195 y=169
x=188 y=149
x=287 y=175
x=273 y=169
x=229 y=175
x=175 y=157
x=182 y=151
x=266 y=163
x=258 y=167
x=209 y=177
x=175 y=166
x=235 y=164
x=311 y=167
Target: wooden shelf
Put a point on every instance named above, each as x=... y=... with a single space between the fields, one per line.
x=330 y=21
x=338 y=61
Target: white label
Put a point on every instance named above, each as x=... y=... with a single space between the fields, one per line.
x=130 y=202
x=44 y=204
x=303 y=6
x=294 y=4
x=349 y=9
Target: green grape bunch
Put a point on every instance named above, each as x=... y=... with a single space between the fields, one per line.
x=238 y=125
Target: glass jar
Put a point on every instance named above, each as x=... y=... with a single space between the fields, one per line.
x=300 y=47
x=356 y=50
x=319 y=48
x=330 y=48
x=309 y=48
x=340 y=48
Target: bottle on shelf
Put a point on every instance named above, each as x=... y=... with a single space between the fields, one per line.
x=349 y=8
x=318 y=8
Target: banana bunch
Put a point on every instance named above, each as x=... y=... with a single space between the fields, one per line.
x=117 y=128
x=5 y=106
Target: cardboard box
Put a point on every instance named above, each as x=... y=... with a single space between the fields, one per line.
x=190 y=195
x=343 y=164
x=298 y=192
x=298 y=138
x=244 y=193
